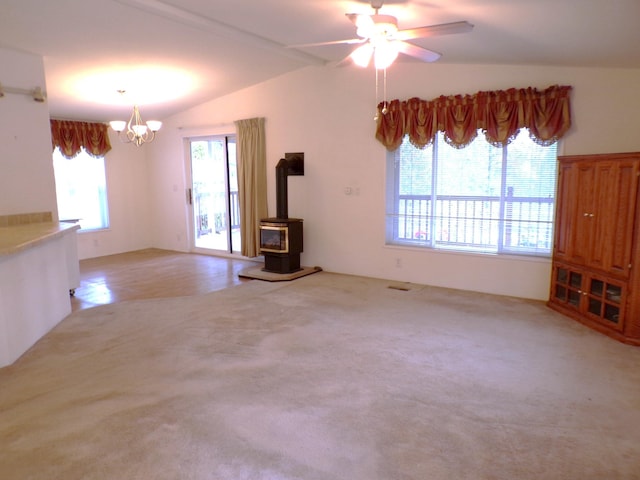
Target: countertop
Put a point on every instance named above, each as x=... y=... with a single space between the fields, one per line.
x=22 y=237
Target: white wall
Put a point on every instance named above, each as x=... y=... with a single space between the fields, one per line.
x=26 y=169
x=328 y=114
x=129 y=204
x=27 y=182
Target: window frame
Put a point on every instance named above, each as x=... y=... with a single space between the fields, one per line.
x=103 y=191
x=395 y=235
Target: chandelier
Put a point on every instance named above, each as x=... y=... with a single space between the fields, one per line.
x=135 y=130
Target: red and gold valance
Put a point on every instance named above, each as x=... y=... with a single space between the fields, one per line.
x=71 y=136
x=499 y=114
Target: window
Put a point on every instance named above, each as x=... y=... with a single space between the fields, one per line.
x=480 y=198
x=81 y=189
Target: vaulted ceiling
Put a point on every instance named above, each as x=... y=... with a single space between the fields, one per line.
x=170 y=55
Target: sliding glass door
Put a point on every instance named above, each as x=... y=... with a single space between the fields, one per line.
x=214 y=194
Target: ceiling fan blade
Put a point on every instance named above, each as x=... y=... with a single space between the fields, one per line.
x=433 y=30
x=353 y=17
x=350 y=41
x=343 y=63
x=417 y=52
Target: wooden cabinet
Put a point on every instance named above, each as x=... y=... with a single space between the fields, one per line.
x=596 y=243
x=596 y=297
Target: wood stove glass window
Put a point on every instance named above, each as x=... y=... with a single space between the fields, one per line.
x=274 y=239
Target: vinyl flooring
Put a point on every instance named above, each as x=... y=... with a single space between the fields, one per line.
x=153 y=273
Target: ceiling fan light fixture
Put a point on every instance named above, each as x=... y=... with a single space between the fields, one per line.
x=365 y=26
x=376 y=26
x=385 y=25
x=385 y=53
x=361 y=56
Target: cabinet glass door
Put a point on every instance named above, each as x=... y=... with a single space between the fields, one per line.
x=605 y=302
x=561 y=291
x=568 y=286
x=575 y=285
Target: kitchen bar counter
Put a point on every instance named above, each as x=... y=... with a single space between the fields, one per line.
x=38 y=269
x=21 y=237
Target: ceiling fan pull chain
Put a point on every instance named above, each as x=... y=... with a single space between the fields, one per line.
x=377 y=82
x=384 y=102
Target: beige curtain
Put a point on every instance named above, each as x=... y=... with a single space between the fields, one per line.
x=252 y=182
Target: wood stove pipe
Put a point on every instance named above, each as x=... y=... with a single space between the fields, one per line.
x=282 y=193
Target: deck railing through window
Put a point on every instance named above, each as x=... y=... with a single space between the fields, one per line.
x=234 y=208
x=474 y=222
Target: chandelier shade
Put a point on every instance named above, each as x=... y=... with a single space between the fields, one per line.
x=135 y=130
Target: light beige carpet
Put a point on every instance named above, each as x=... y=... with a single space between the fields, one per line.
x=326 y=377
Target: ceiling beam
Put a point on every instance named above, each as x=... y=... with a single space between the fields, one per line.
x=215 y=27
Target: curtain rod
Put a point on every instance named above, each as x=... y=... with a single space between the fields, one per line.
x=211 y=126
x=36 y=93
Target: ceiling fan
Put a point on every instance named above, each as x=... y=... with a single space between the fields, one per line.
x=380 y=39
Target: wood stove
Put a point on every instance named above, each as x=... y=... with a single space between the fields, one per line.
x=281 y=236
x=281 y=244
